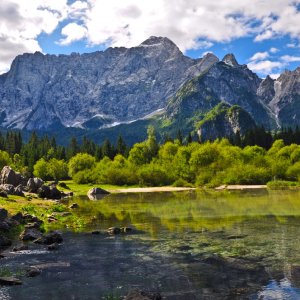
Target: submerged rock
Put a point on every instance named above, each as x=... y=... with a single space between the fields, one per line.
x=141 y=295
x=50 y=238
x=52 y=247
x=10 y=281
x=33 y=272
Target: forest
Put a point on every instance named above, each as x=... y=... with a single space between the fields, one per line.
x=258 y=157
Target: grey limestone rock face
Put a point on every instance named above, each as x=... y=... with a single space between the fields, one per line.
x=117 y=85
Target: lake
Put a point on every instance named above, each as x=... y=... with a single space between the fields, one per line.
x=186 y=245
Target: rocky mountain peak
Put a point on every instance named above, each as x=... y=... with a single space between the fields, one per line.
x=230 y=60
x=158 y=41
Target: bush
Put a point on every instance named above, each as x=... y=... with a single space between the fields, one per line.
x=182 y=183
x=280 y=184
x=80 y=162
x=153 y=175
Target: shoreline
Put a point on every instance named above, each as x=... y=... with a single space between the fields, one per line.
x=150 y=190
x=239 y=187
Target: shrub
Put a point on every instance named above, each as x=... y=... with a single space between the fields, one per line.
x=153 y=175
x=80 y=162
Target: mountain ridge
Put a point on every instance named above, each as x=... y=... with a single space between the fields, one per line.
x=154 y=80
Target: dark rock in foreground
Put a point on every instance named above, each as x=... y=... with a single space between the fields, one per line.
x=140 y=295
x=10 y=281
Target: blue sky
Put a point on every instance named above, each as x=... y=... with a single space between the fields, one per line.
x=263 y=34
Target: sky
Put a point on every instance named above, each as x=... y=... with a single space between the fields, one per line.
x=264 y=34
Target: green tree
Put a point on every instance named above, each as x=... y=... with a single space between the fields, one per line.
x=81 y=162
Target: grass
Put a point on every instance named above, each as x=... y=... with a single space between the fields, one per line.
x=282 y=185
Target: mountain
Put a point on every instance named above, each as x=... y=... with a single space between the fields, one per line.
x=123 y=90
x=100 y=89
x=224 y=121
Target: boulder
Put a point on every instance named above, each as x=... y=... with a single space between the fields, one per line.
x=30 y=234
x=73 y=206
x=10 y=281
x=52 y=247
x=20 y=248
x=50 y=192
x=33 y=272
x=50 y=238
x=33 y=184
x=3 y=194
x=114 y=230
x=44 y=192
x=19 y=190
x=55 y=193
x=9 y=176
x=18 y=217
x=8 y=188
x=96 y=193
x=4 y=226
x=141 y=295
x=4 y=242
x=3 y=214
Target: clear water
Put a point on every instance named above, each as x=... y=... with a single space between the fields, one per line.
x=190 y=245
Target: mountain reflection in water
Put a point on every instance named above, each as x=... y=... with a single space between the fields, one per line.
x=188 y=245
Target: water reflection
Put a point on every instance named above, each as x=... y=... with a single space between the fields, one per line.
x=192 y=245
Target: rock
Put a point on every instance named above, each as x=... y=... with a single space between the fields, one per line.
x=30 y=234
x=141 y=295
x=3 y=214
x=114 y=230
x=96 y=193
x=20 y=248
x=63 y=185
x=18 y=217
x=55 y=193
x=3 y=194
x=10 y=281
x=125 y=229
x=8 y=189
x=52 y=247
x=31 y=219
x=44 y=192
x=9 y=176
x=33 y=272
x=35 y=225
x=52 y=219
x=4 y=226
x=4 y=242
x=49 y=192
x=73 y=206
x=95 y=232
x=19 y=190
x=33 y=184
x=51 y=238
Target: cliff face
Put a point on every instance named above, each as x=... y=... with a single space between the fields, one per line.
x=101 y=88
x=99 y=91
x=227 y=82
x=224 y=121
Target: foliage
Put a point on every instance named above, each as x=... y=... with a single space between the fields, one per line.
x=81 y=162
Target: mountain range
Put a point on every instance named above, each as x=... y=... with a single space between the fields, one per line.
x=123 y=90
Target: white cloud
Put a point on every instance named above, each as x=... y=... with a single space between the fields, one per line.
x=73 y=32
x=274 y=50
x=259 y=56
x=189 y=23
x=22 y=21
x=129 y=22
x=265 y=66
x=289 y=58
